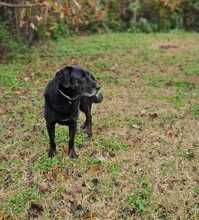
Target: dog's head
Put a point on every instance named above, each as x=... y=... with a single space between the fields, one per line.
x=77 y=81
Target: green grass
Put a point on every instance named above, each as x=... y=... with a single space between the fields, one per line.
x=134 y=122
x=93 y=161
x=114 y=168
x=140 y=198
x=196 y=191
x=44 y=163
x=195 y=110
x=141 y=162
x=92 y=45
x=192 y=69
x=20 y=201
x=111 y=144
x=186 y=153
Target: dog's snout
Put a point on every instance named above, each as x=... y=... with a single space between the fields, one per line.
x=94 y=84
x=98 y=87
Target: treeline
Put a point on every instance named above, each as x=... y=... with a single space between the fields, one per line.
x=37 y=19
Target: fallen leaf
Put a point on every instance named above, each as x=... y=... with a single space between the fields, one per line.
x=49 y=176
x=20 y=91
x=169 y=132
x=43 y=187
x=8 y=135
x=95 y=169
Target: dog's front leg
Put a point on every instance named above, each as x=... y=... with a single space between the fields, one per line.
x=72 y=131
x=88 y=123
x=87 y=126
x=51 y=134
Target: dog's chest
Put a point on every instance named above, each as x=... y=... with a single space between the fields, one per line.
x=71 y=116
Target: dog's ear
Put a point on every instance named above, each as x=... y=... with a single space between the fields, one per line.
x=89 y=74
x=63 y=76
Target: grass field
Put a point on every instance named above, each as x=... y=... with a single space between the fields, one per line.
x=142 y=162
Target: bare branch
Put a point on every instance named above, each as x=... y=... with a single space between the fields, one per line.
x=21 y=5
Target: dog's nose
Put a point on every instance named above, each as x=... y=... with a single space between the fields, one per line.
x=98 y=87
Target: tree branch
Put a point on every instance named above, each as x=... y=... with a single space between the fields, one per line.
x=21 y=5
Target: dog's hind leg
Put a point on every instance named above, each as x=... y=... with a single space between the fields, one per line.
x=51 y=134
x=72 y=131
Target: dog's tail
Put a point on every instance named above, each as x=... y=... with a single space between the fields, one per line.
x=98 y=98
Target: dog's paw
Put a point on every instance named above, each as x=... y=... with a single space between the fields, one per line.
x=87 y=131
x=83 y=126
x=51 y=153
x=72 y=154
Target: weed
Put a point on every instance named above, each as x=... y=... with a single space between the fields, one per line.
x=61 y=135
x=141 y=196
x=44 y=163
x=80 y=138
x=179 y=99
x=156 y=81
x=114 y=168
x=93 y=161
x=18 y=203
x=133 y=121
x=185 y=153
x=111 y=144
x=192 y=69
x=196 y=191
x=184 y=85
x=195 y=110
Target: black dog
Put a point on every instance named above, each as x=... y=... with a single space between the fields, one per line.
x=71 y=89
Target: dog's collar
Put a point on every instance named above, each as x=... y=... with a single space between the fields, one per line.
x=69 y=99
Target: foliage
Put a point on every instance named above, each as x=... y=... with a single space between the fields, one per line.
x=57 y=18
x=8 y=44
x=140 y=197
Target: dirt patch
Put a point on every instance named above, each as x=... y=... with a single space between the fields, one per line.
x=192 y=79
x=168 y=46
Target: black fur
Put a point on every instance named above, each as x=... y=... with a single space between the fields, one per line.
x=71 y=89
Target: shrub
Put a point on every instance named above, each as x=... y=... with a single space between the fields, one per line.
x=8 y=44
x=57 y=18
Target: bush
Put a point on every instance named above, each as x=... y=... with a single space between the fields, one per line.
x=143 y=25
x=8 y=44
x=61 y=18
